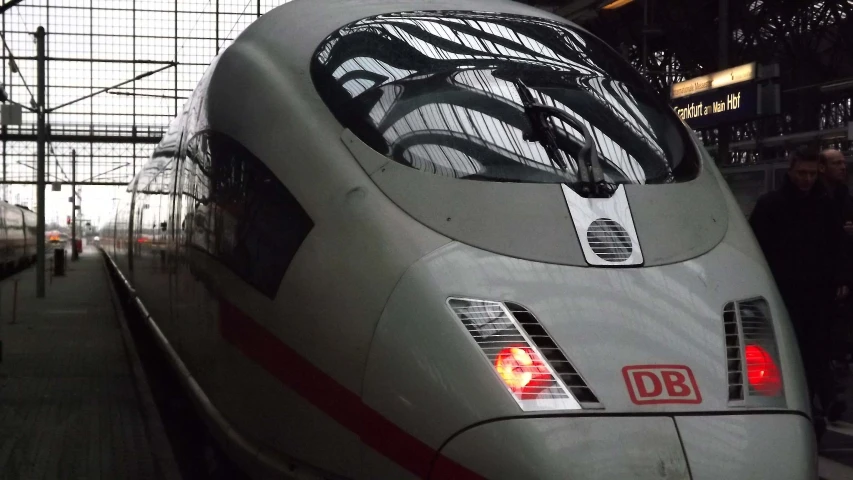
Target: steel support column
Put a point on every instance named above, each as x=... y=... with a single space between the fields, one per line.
x=645 y=54
x=74 y=205
x=42 y=140
x=724 y=131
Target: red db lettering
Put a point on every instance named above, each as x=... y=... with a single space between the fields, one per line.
x=661 y=384
x=645 y=379
x=676 y=383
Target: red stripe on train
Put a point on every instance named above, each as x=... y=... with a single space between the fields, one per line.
x=335 y=400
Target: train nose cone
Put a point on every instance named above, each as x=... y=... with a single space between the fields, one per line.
x=746 y=446
x=769 y=445
x=561 y=447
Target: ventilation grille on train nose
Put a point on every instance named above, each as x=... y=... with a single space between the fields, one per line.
x=733 y=352
x=496 y=327
x=609 y=240
x=554 y=355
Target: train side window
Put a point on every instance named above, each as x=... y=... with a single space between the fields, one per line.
x=250 y=221
x=14 y=219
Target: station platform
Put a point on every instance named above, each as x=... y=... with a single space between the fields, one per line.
x=836 y=447
x=74 y=401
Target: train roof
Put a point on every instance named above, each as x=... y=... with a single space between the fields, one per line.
x=299 y=27
x=305 y=23
x=287 y=38
x=291 y=34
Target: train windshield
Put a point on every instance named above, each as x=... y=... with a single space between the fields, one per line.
x=442 y=93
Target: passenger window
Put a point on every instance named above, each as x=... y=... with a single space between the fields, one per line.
x=243 y=215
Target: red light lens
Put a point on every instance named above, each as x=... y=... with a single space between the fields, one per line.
x=522 y=370
x=762 y=372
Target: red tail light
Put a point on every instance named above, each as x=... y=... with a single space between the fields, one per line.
x=762 y=372
x=522 y=371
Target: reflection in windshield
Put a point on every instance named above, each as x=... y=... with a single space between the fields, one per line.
x=438 y=93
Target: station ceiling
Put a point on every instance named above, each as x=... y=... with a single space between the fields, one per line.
x=811 y=40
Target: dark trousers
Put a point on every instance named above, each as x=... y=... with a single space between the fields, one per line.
x=810 y=315
x=842 y=331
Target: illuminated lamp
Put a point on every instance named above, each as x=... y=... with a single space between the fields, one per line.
x=522 y=370
x=762 y=372
x=616 y=4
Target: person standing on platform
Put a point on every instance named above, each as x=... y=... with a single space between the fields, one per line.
x=833 y=173
x=802 y=241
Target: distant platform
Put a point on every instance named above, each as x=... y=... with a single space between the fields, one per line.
x=74 y=403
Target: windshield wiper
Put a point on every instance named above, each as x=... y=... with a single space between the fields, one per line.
x=590 y=174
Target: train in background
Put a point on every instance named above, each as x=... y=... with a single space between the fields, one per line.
x=18 y=237
x=456 y=240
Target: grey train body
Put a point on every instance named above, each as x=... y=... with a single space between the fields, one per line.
x=18 y=236
x=366 y=264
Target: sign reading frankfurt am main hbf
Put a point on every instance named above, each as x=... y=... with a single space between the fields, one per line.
x=725 y=105
x=697 y=110
x=726 y=96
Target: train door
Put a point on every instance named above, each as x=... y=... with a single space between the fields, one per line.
x=31 y=234
x=153 y=204
x=14 y=235
x=168 y=227
x=23 y=254
x=129 y=232
x=195 y=306
x=122 y=233
x=245 y=229
x=115 y=239
x=141 y=217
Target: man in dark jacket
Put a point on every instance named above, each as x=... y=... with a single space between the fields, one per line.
x=798 y=231
x=833 y=173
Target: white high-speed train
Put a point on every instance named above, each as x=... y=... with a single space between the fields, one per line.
x=18 y=237
x=457 y=239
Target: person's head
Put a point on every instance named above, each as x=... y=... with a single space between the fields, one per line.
x=833 y=167
x=803 y=169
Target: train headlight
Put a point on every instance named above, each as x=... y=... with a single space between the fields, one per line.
x=523 y=356
x=522 y=371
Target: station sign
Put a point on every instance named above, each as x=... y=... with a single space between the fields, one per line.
x=737 y=103
x=713 y=81
x=737 y=94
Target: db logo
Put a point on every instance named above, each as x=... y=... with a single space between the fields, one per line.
x=657 y=384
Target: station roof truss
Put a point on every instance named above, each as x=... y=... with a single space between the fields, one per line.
x=117 y=73
x=812 y=41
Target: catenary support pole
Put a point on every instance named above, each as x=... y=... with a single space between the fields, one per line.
x=74 y=205
x=724 y=135
x=41 y=140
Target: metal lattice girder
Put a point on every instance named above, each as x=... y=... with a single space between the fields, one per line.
x=117 y=71
x=7 y=4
